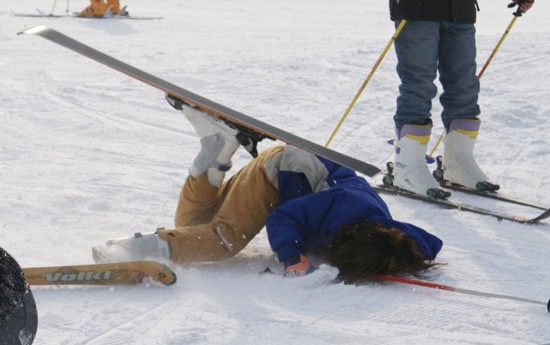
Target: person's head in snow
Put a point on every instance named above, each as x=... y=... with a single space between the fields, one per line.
x=18 y=316
x=307 y=204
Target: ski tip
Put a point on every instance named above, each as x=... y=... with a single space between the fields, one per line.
x=167 y=276
x=548 y=306
x=33 y=31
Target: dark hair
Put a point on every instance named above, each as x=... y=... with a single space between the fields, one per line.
x=365 y=249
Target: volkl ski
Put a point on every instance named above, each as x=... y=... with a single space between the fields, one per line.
x=119 y=273
x=203 y=103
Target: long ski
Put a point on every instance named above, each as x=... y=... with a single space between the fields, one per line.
x=120 y=273
x=492 y=195
x=451 y=204
x=116 y=16
x=41 y=14
x=203 y=103
x=439 y=176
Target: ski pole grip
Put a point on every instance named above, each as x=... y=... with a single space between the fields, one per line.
x=518 y=3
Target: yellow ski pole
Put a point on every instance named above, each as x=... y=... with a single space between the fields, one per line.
x=397 y=31
x=493 y=53
x=498 y=46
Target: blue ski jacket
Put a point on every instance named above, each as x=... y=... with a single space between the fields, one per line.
x=307 y=220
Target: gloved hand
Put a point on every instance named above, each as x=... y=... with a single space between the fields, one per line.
x=523 y=6
x=409 y=8
x=297 y=266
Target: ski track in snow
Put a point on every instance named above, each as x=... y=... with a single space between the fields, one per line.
x=88 y=154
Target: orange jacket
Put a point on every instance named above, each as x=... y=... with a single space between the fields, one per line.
x=98 y=8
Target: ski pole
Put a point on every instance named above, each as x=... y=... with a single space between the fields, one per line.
x=455 y=289
x=512 y=22
x=53 y=8
x=517 y=14
x=397 y=31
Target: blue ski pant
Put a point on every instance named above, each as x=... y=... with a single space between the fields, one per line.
x=425 y=48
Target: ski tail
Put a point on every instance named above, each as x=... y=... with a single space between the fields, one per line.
x=120 y=273
x=451 y=204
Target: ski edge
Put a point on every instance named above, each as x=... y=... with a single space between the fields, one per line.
x=496 y=195
x=41 y=14
x=37 y=15
x=118 y=273
x=462 y=206
x=490 y=195
x=201 y=102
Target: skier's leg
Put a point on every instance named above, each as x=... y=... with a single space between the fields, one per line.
x=218 y=144
x=417 y=51
x=416 y=48
x=457 y=73
x=202 y=214
x=243 y=204
x=460 y=103
x=197 y=202
x=212 y=223
x=247 y=137
x=115 y=6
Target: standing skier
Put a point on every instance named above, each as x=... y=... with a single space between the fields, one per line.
x=439 y=36
x=307 y=204
x=18 y=317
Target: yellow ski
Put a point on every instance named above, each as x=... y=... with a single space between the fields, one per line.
x=119 y=273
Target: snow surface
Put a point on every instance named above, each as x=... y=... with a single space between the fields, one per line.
x=88 y=154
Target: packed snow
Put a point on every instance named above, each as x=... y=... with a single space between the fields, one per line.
x=88 y=154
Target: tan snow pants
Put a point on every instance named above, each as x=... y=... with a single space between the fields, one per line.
x=214 y=224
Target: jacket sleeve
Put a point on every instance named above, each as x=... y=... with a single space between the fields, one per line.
x=296 y=223
x=310 y=221
x=284 y=232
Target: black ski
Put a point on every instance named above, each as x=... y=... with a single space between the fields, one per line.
x=439 y=175
x=492 y=195
x=203 y=103
x=451 y=204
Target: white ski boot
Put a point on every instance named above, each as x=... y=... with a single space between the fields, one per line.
x=136 y=247
x=220 y=138
x=410 y=170
x=459 y=165
x=247 y=137
x=218 y=142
